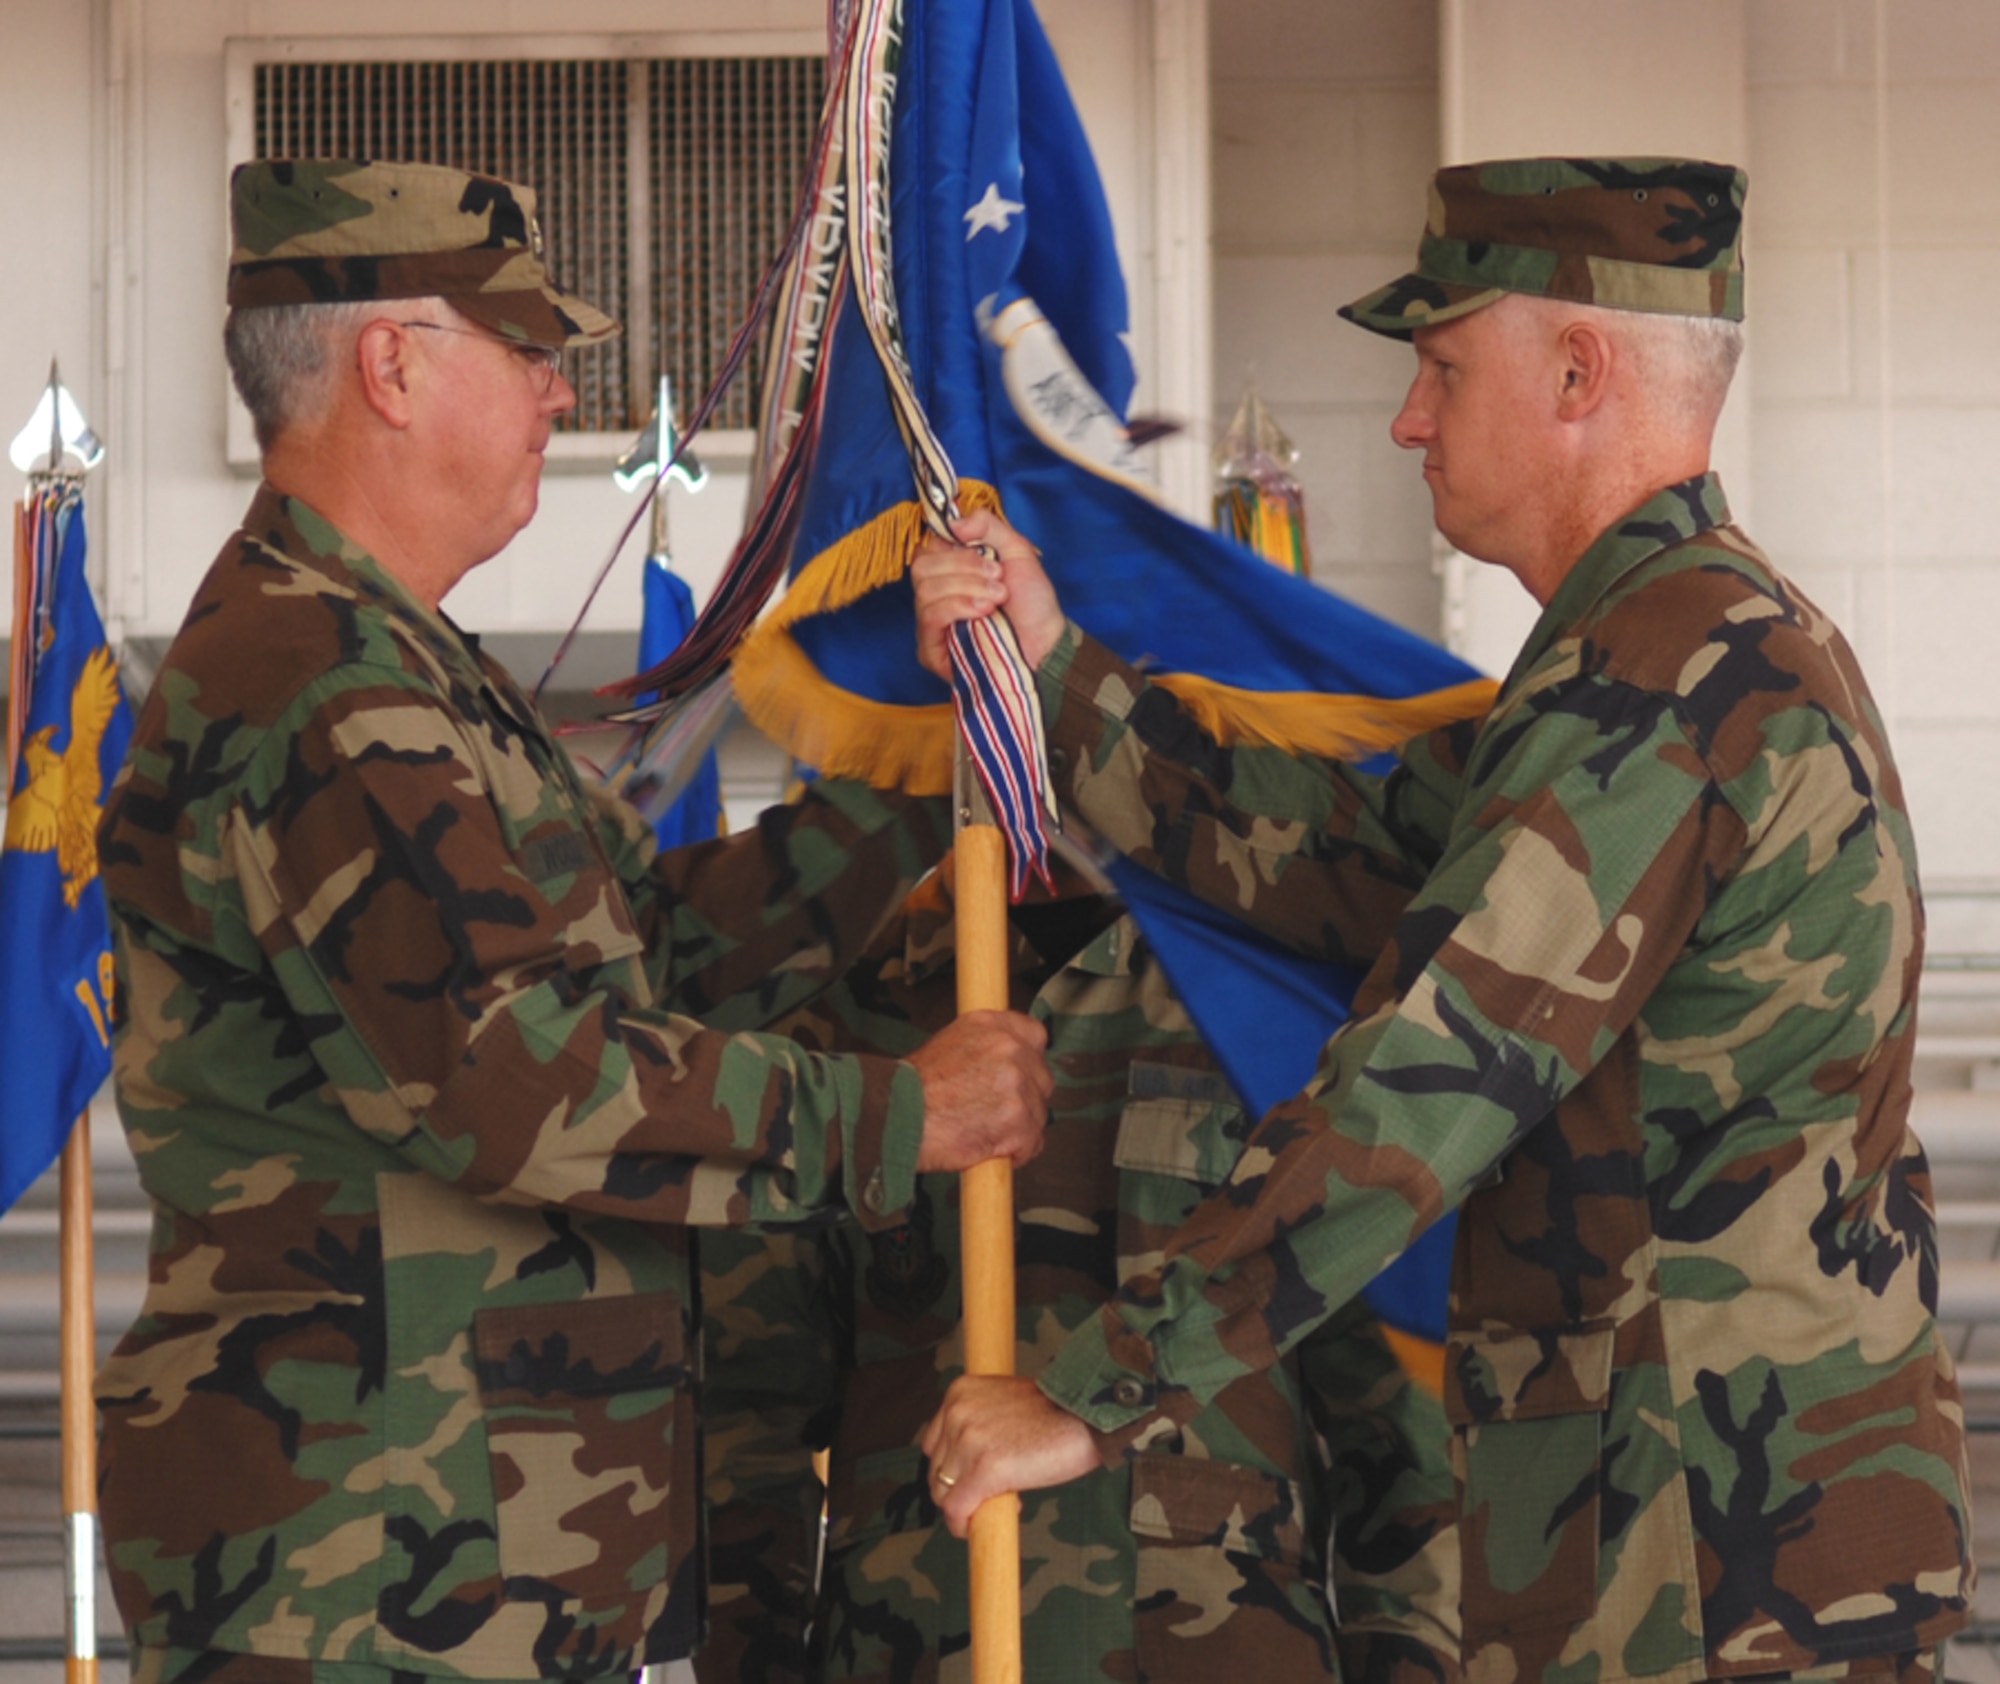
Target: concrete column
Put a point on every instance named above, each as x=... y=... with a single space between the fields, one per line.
x=1178 y=212
x=1590 y=78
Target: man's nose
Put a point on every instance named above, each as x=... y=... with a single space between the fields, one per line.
x=561 y=398
x=1412 y=428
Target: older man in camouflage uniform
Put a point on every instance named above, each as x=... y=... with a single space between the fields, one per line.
x=1649 y=1018
x=1209 y=1549
x=401 y=1060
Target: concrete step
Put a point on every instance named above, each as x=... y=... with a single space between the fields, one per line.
x=1964 y=925
x=105 y=1224
x=30 y=1309
x=1969 y=1290
x=1957 y=1047
x=1969 y=1213
x=31 y=1303
x=1958 y=1125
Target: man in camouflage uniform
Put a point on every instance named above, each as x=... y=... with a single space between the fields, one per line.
x=400 y=1060
x=1205 y=1551
x=1649 y=1016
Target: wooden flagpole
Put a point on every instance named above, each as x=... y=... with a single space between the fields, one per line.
x=79 y=1424
x=77 y=1335
x=986 y=1231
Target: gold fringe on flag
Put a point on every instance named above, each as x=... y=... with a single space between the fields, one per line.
x=835 y=731
x=1308 y=722
x=1422 y=1359
x=895 y=746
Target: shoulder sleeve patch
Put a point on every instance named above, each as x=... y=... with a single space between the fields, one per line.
x=555 y=856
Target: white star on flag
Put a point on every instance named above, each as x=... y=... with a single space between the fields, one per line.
x=992 y=211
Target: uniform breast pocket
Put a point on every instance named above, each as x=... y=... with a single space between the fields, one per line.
x=583 y=1405
x=1528 y=1413
x=1223 y=1587
x=1179 y=1135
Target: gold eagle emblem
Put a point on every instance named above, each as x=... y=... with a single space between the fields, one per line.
x=57 y=806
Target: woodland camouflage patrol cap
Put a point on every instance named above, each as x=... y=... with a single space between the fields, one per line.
x=1653 y=234
x=344 y=230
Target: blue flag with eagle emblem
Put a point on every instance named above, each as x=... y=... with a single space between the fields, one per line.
x=55 y=935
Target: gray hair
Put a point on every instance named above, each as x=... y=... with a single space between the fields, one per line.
x=284 y=358
x=1687 y=361
x=1684 y=363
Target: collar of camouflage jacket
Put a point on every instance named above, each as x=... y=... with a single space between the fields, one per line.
x=303 y=536
x=1668 y=517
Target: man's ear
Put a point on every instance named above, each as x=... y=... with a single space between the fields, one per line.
x=382 y=356
x=1584 y=357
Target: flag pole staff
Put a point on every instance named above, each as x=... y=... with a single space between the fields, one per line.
x=986 y=1191
x=986 y=1227
x=79 y=1425
x=70 y=436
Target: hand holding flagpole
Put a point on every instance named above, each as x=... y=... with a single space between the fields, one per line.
x=986 y=1229
x=999 y=737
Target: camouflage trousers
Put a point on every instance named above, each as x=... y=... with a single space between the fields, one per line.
x=220 y=1666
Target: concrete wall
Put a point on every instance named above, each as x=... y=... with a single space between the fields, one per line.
x=53 y=134
x=1860 y=450
x=1592 y=77
x=1325 y=124
x=1873 y=126
x=1863 y=438
x=113 y=118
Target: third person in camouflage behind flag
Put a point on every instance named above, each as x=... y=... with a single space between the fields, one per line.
x=1297 y=1527
x=1649 y=1019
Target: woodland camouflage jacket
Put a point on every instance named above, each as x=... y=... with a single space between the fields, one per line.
x=400 y=1064
x=1650 y=1018
x=1204 y=1554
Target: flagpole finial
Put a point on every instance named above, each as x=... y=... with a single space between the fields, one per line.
x=56 y=434
x=658 y=456
x=656 y=448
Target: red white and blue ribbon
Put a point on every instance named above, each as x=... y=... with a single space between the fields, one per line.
x=993 y=687
x=803 y=268
x=840 y=240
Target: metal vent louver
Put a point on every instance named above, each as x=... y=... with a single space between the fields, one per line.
x=666 y=184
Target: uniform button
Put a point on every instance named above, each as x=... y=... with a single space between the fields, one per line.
x=875 y=1195
x=1128 y=1393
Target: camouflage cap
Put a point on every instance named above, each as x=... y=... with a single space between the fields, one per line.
x=1652 y=234
x=339 y=230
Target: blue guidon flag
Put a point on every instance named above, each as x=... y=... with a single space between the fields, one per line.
x=695 y=814
x=951 y=333
x=55 y=934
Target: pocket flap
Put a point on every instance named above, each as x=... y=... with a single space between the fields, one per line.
x=1527 y=1376
x=1188 y=1500
x=1180 y=1122
x=531 y=1352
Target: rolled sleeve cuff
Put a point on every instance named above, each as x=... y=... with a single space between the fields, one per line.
x=881 y=1178
x=1057 y=662
x=1105 y=1376
x=1087 y=696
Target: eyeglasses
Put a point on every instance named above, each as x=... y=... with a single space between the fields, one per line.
x=544 y=362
